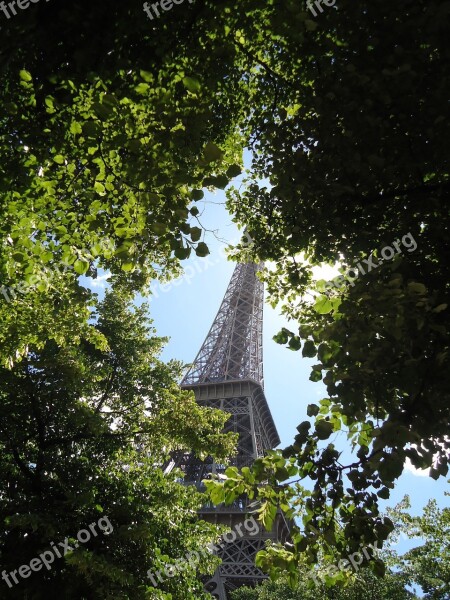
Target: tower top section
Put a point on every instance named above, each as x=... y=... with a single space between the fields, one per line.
x=232 y=349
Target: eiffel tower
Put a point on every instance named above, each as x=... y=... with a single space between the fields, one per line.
x=228 y=374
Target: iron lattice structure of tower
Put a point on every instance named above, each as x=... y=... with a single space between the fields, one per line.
x=228 y=374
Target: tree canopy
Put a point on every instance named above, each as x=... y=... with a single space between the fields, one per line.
x=87 y=433
x=114 y=125
x=428 y=563
x=349 y=168
x=424 y=568
x=106 y=142
x=366 y=586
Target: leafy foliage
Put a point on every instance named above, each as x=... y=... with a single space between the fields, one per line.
x=365 y=586
x=85 y=433
x=113 y=126
x=425 y=565
x=347 y=162
x=428 y=565
x=106 y=142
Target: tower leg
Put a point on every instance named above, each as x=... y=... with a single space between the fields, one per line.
x=215 y=587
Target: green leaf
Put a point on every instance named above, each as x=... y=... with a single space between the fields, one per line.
x=197 y=195
x=25 y=75
x=91 y=129
x=324 y=353
x=75 y=128
x=417 y=288
x=294 y=343
x=182 y=253
x=202 y=249
x=110 y=100
x=310 y=25
x=221 y=182
x=440 y=308
x=312 y=410
x=99 y=188
x=212 y=153
x=316 y=375
x=81 y=266
x=391 y=467
x=195 y=233
x=323 y=429
x=234 y=171
x=192 y=84
x=146 y=76
x=323 y=306
x=49 y=104
x=384 y=493
x=304 y=427
x=158 y=228
x=281 y=337
x=127 y=266
x=309 y=349
x=103 y=111
x=142 y=88
x=379 y=568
